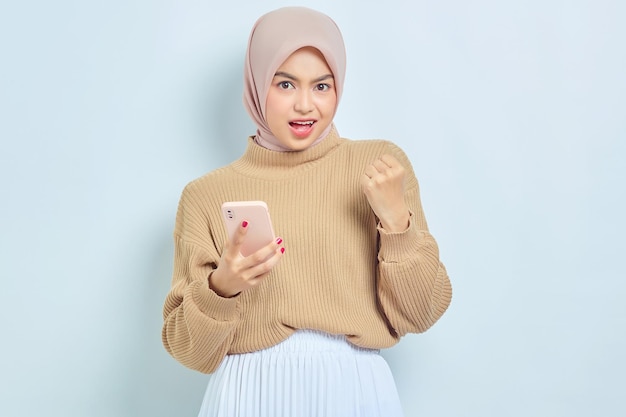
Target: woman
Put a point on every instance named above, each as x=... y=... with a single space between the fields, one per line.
x=295 y=328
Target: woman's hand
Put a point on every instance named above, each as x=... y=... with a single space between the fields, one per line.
x=236 y=273
x=383 y=185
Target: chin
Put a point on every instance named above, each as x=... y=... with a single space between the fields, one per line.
x=299 y=146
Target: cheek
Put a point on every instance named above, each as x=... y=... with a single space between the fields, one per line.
x=274 y=107
x=329 y=104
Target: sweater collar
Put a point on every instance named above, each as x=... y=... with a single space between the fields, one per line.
x=260 y=162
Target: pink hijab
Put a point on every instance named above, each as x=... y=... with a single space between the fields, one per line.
x=274 y=37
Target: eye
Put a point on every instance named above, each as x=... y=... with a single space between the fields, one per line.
x=285 y=85
x=322 y=87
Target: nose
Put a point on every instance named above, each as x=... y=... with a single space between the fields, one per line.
x=304 y=101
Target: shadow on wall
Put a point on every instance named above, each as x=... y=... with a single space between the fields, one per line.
x=153 y=382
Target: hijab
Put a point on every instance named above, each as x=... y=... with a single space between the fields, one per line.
x=274 y=37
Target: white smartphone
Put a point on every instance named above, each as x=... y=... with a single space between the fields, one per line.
x=260 y=231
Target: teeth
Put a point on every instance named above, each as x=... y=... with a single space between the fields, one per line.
x=303 y=123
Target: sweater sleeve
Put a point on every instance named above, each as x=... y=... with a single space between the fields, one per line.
x=413 y=286
x=199 y=325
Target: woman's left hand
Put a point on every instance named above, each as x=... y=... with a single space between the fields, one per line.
x=383 y=185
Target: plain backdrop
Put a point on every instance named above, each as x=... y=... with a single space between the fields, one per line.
x=512 y=113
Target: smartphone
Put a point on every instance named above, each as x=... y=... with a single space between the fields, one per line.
x=260 y=230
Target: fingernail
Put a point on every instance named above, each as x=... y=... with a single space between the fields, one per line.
x=244 y=224
x=282 y=250
x=279 y=241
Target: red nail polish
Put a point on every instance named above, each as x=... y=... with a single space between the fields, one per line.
x=282 y=250
x=244 y=223
x=279 y=241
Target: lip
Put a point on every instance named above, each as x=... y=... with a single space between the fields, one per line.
x=302 y=128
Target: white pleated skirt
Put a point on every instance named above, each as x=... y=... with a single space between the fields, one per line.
x=311 y=374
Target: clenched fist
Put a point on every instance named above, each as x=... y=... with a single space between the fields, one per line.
x=383 y=185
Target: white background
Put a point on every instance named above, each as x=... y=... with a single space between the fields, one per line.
x=512 y=112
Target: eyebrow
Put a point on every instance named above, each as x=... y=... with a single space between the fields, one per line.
x=294 y=78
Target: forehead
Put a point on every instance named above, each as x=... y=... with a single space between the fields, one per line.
x=305 y=60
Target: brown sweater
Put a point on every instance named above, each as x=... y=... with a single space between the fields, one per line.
x=341 y=272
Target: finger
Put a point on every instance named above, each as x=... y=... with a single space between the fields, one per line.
x=389 y=160
x=263 y=254
x=381 y=166
x=370 y=171
x=239 y=237
x=394 y=167
x=262 y=269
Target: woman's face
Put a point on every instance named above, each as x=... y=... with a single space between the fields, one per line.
x=301 y=100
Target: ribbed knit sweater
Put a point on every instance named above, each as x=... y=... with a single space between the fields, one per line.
x=341 y=272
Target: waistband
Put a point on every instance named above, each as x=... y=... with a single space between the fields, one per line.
x=317 y=341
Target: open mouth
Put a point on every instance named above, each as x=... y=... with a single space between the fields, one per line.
x=302 y=128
